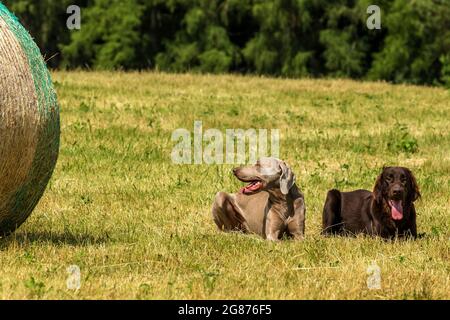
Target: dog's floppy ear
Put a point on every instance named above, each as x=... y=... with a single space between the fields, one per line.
x=287 y=178
x=413 y=188
x=378 y=188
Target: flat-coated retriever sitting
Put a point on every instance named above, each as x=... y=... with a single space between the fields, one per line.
x=388 y=211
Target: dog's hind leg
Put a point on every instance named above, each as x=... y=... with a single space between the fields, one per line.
x=227 y=215
x=331 y=219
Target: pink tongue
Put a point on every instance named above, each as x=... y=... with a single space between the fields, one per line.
x=251 y=187
x=396 y=209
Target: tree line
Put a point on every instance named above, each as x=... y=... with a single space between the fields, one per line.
x=286 y=38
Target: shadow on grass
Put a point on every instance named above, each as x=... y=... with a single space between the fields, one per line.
x=53 y=238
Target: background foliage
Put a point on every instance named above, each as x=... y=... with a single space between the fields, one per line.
x=289 y=38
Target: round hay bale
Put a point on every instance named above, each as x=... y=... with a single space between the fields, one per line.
x=29 y=123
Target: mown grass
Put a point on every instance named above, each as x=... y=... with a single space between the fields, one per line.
x=139 y=226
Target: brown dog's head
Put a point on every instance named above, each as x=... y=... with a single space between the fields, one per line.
x=267 y=173
x=396 y=187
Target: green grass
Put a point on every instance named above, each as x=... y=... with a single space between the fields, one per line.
x=140 y=227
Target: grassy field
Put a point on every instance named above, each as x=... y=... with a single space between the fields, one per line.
x=139 y=227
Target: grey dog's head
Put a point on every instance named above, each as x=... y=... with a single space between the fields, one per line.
x=265 y=174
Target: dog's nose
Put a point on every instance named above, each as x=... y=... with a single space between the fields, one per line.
x=397 y=191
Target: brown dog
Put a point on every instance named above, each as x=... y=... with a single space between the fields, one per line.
x=387 y=211
x=270 y=205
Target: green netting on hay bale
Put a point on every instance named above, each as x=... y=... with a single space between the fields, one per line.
x=29 y=123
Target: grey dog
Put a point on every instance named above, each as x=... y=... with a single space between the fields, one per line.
x=270 y=205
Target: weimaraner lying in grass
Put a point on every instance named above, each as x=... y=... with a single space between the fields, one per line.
x=270 y=205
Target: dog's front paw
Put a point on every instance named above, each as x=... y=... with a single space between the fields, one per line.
x=272 y=237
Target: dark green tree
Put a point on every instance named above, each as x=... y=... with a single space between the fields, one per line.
x=46 y=22
x=289 y=38
x=287 y=41
x=109 y=36
x=417 y=45
x=204 y=43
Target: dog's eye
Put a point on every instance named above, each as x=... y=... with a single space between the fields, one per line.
x=403 y=179
x=390 y=177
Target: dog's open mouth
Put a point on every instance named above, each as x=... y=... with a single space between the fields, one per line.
x=396 y=209
x=253 y=186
